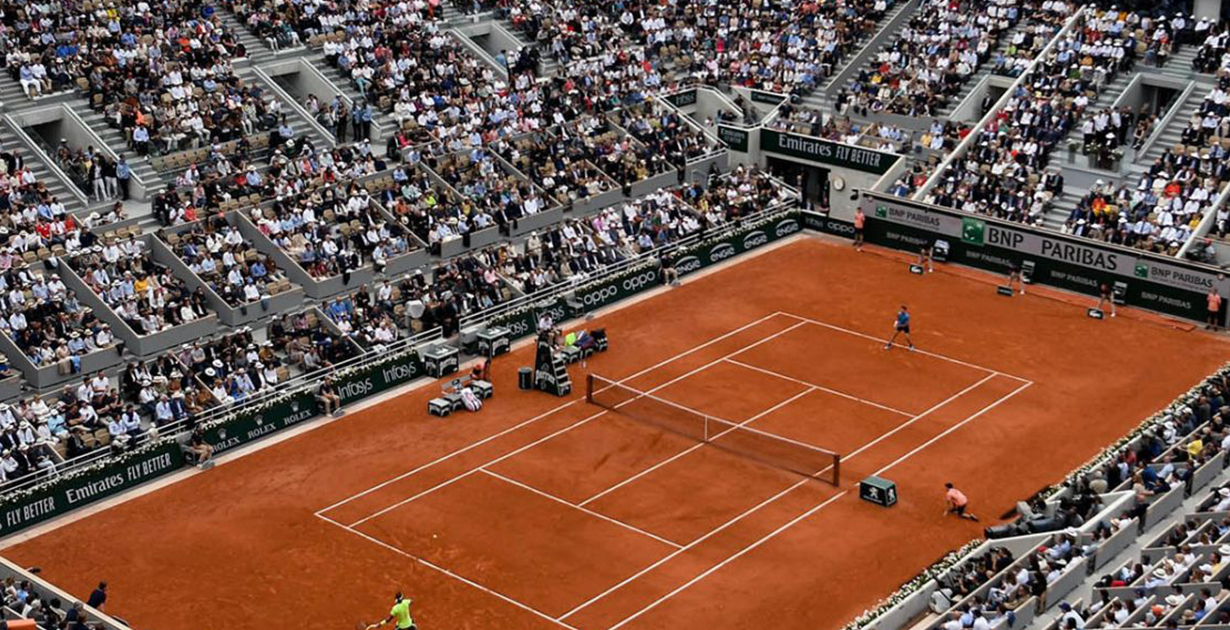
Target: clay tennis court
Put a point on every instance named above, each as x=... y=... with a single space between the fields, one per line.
x=541 y=512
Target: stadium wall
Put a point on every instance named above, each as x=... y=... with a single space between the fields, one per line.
x=1159 y=283
x=1171 y=286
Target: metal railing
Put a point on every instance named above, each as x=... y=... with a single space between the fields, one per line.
x=969 y=140
x=557 y=291
x=179 y=429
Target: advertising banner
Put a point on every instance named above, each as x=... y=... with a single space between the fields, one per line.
x=772 y=98
x=88 y=486
x=1167 y=285
x=112 y=476
x=825 y=152
x=524 y=322
x=735 y=138
x=681 y=99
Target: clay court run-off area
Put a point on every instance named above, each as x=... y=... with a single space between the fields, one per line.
x=543 y=512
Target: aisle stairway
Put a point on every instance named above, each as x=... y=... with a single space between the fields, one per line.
x=10 y=141
x=115 y=139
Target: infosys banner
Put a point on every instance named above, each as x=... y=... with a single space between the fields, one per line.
x=693 y=259
x=261 y=422
x=1158 y=283
x=89 y=486
x=113 y=477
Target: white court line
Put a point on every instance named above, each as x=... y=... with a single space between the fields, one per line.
x=723 y=563
x=542 y=415
x=954 y=427
x=585 y=510
x=916 y=349
x=567 y=428
x=696 y=446
x=817 y=508
x=689 y=545
x=921 y=415
x=819 y=387
x=451 y=574
x=845 y=458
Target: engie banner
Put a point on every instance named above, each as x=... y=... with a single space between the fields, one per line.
x=80 y=487
x=647 y=276
x=1159 y=283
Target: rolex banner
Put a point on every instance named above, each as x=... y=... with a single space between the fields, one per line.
x=1159 y=283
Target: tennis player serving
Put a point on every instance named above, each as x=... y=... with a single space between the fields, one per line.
x=399 y=614
x=901 y=325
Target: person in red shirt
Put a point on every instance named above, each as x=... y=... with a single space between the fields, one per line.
x=956 y=502
x=1214 y=310
x=860 y=220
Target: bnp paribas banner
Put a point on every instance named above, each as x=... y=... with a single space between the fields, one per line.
x=689 y=259
x=1155 y=282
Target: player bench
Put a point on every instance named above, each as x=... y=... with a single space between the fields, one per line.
x=450 y=395
x=595 y=342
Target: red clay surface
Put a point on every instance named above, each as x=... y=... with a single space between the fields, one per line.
x=590 y=520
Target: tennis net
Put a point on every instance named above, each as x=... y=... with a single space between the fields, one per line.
x=766 y=448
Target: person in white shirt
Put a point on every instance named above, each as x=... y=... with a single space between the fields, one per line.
x=1069 y=616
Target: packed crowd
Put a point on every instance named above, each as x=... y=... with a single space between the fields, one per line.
x=939 y=49
x=1002 y=174
x=217 y=251
x=369 y=317
x=430 y=209
x=486 y=187
x=145 y=294
x=31 y=218
x=562 y=254
x=45 y=319
x=332 y=231
x=561 y=169
x=232 y=367
x=294 y=167
x=644 y=224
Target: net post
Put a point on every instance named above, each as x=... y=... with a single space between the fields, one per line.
x=589 y=388
x=836 y=470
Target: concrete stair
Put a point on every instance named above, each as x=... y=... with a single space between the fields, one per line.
x=1173 y=132
x=13 y=98
x=380 y=121
x=36 y=160
x=11 y=93
x=902 y=5
x=114 y=138
x=820 y=100
x=258 y=52
x=303 y=129
x=1060 y=209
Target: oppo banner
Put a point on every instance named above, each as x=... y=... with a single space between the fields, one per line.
x=1159 y=283
x=591 y=297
